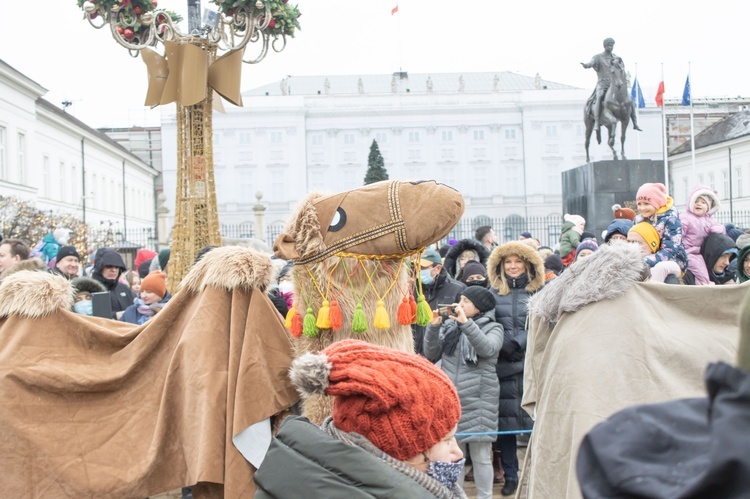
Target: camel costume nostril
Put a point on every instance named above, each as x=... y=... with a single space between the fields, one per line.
x=352 y=276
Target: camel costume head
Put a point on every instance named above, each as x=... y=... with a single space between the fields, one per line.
x=352 y=253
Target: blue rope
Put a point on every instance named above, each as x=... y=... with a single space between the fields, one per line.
x=482 y=433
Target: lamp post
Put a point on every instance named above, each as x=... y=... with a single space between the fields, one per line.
x=190 y=73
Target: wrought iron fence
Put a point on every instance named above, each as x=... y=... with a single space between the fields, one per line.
x=740 y=218
x=113 y=237
x=545 y=229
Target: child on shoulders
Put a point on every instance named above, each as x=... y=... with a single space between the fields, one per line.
x=657 y=208
x=697 y=223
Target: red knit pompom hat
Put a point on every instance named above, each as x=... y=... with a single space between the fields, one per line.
x=399 y=401
x=653 y=194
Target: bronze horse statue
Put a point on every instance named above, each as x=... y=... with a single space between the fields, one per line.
x=616 y=107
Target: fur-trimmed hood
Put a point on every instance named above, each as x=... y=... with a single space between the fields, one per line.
x=534 y=266
x=28 y=264
x=88 y=285
x=606 y=274
x=451 y=258
x=703 y=190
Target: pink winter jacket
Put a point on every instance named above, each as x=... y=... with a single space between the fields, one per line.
x=695 y=229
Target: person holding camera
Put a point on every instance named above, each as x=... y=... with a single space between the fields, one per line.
x=467 y=340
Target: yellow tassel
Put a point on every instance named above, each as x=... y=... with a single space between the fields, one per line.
x=324 y=316
x=289 y=317
x=381 y=320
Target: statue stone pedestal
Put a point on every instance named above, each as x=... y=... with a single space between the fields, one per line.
x=590 y=190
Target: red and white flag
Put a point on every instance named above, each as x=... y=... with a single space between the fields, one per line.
x=660 y=94
x=394 y=10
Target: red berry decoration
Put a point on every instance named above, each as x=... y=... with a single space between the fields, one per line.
x=128 y=34
x=137 y=10
x=120 y=30
x=272 y=23
x=154 y=2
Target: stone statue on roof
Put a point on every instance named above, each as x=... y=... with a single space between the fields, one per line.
x=394 y=85
x=326 y=87
x=284 y=86
x=461 y=84
x=360 y=86
x=429 y=84
x=538 y=82
x=496 y=83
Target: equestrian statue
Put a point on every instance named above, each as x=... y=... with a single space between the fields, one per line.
x=610 y=102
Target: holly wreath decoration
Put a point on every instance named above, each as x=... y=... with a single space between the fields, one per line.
x=284 y=16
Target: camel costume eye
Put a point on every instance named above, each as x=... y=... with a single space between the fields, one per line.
x=339 y=220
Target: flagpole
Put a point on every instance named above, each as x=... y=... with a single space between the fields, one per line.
x=664 y=142
x=636 y=105
x=398 y=23
x=692 y=128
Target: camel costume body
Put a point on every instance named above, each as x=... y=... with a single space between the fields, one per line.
x=600 y=340
x=99 y=408
x=353 y=247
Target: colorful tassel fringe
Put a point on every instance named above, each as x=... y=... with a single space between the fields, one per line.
x=296 y=328
x=336 y=318
x=324 y=316
x=309 y=328
x=289 y=316
x=359 y=322
x=381 y=320
x=413 y=306
x=404 y=314
x=424 y=314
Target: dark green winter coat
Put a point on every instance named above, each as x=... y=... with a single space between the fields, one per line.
x=304 y=461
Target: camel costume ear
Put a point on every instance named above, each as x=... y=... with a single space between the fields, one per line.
x=283 y=247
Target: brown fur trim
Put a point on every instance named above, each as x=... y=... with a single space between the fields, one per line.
x=304 y=228
x=34 y=294
x=230 y=267
x=29 y=264
x=528 y=254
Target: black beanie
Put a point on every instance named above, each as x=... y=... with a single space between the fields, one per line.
x=143 y=268
x=473 y=267
x=481 y=298
x=553 y=263
x=67 y=251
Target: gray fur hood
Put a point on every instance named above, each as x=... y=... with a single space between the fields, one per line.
x=606 y=274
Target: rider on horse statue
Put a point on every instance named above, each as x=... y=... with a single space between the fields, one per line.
x=602 y=64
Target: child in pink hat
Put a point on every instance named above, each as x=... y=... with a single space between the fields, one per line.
x=657 y=208
x=698 y=222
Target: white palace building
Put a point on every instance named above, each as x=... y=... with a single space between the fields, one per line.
x=502 y=139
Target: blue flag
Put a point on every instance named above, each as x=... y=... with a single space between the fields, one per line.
x=637 y=95
x=687 y=98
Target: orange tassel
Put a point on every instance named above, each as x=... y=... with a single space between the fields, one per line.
x=413 y=305
x=289 y=316
x=404 y=312
x=296 y=328
x=335 y=315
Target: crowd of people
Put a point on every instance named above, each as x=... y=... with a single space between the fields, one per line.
x=466 y=383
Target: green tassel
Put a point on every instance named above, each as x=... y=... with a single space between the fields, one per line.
x=309 y=328
x=359 y=321
x=424 y=314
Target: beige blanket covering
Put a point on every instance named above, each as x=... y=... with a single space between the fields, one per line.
x=649 y=345
x=98 y=408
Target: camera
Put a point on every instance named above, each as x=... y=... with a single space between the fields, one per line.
x=445 y=311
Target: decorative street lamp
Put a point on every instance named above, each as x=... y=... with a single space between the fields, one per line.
x=195 y=66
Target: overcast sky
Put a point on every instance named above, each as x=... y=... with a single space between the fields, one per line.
x=48 y=41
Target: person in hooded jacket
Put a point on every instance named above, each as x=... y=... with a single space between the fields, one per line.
x=718 y=250
x=465 y=250
x=516 y=273
x=743 y=264
x=108 y=267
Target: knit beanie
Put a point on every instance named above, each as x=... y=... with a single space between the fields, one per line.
x=399 y=401
x=653 y=194
x=67 y=251
x=144 y=268
x=553 y=263
x=586 y=244
x=481 y=298
x=743 y=240
x=623 y=213
x=143 y=255
x=574 y=219
x=649 y=233
x=155 y=282
x=471 y=268
x=618 y=226
x=163 y=257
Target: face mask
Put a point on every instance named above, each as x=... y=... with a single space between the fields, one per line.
x=482 y=283
x=446 y=473
x=84 y=307
x=426 y=276
x=286 y=286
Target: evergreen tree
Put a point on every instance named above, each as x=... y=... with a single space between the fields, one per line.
x=375 y=165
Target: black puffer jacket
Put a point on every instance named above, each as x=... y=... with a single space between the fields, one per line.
x=511 y=310
x=443 y=291
x=451 y=258
x=120 y=294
